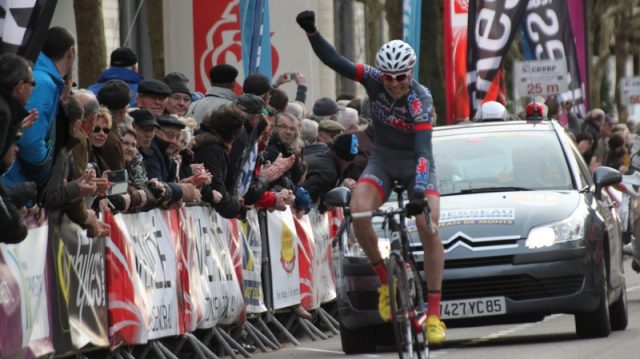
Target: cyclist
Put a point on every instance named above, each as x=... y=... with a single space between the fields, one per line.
x=402 y=115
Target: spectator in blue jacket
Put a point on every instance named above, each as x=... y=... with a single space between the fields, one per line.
x=124 y=66
x=53 y=66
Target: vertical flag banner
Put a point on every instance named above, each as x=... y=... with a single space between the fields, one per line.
x=492 y=26
x=217 y=39
x=256 y=37
x=411 y=15
x=24 y=26
x=546 y=37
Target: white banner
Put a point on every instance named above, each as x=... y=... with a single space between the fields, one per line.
x=227 y=295
x=252 y=264
x=283 y=254
x=27 y=262
x=323 y=279
x=156 y=265
x=630 y=90
x=541 y=77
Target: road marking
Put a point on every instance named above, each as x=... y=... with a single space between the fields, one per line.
x=337 y=352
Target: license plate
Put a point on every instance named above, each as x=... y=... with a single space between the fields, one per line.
x=468 y=308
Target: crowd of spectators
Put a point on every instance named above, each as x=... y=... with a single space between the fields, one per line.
x=128 y=144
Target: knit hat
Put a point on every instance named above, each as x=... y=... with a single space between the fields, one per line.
x=325 y=107
x=123 y=57
x=250 y=104
x=222 y=73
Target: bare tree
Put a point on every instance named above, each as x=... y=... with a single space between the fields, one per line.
x=92 y=49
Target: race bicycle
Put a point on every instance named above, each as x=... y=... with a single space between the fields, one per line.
x=408 y=312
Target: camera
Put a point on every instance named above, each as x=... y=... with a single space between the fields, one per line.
x=119 y=180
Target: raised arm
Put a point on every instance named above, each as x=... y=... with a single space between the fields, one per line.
x=323 y=49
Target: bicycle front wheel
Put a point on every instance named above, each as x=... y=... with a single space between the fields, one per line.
x=408 y=328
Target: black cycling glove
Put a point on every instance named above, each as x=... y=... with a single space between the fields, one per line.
x=307 y=21
x=417 y=204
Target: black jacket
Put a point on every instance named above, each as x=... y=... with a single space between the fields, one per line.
x=159 y=166
x=210 y=150
x=323 y=174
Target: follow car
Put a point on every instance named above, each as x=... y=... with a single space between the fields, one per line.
x=527 y=230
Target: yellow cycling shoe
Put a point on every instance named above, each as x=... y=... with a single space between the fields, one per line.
x=435 y=330
x=384 y=307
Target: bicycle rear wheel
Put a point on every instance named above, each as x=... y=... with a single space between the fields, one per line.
x=407 y=320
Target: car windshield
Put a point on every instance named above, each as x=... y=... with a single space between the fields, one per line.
x=500 y=161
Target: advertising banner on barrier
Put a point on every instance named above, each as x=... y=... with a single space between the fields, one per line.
x=80 y=296
x=195 y=299
x=283 y=251
x=323 y=274
x=306 y=248
x=128 y=302
x=234 y=244
x=186 y=320
x=156 y=265
x=220 y=290
x=252 y=264
x=25 y=298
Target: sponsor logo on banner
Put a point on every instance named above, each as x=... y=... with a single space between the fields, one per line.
x=218 y=40
x=287 y=249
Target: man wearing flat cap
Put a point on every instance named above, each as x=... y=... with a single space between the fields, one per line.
x=152 y=96
x=180 y=97
x=328 y=130
x=158 y=158
x=124 y=66
x=223 y=78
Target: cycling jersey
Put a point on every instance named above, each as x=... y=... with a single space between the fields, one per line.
x=401 y=125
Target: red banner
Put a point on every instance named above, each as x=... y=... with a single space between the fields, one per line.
x=126 y=311
x=305 y=261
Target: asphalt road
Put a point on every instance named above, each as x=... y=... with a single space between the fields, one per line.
x=554 y=337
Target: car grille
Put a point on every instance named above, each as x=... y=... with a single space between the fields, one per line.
x=521 y=287
x=477 y=262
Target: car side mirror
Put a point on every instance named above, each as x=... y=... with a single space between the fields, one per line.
x=337 y=197
x=605 y=176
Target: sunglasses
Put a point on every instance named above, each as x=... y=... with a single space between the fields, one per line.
x=105 y=130
x=397 y=77
x=30 y=82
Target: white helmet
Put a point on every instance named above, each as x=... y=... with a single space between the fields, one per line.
x=395 y=56
x=492 y=111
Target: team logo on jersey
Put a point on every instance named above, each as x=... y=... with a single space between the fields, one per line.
x=415 y=105
x=422 y=170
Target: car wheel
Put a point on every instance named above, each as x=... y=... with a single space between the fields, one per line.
x=595 y=324
x=618 y=313
x=357 y=341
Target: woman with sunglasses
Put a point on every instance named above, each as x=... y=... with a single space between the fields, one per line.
x=402 y=119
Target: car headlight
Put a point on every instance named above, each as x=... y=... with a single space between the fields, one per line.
x=569 y=229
